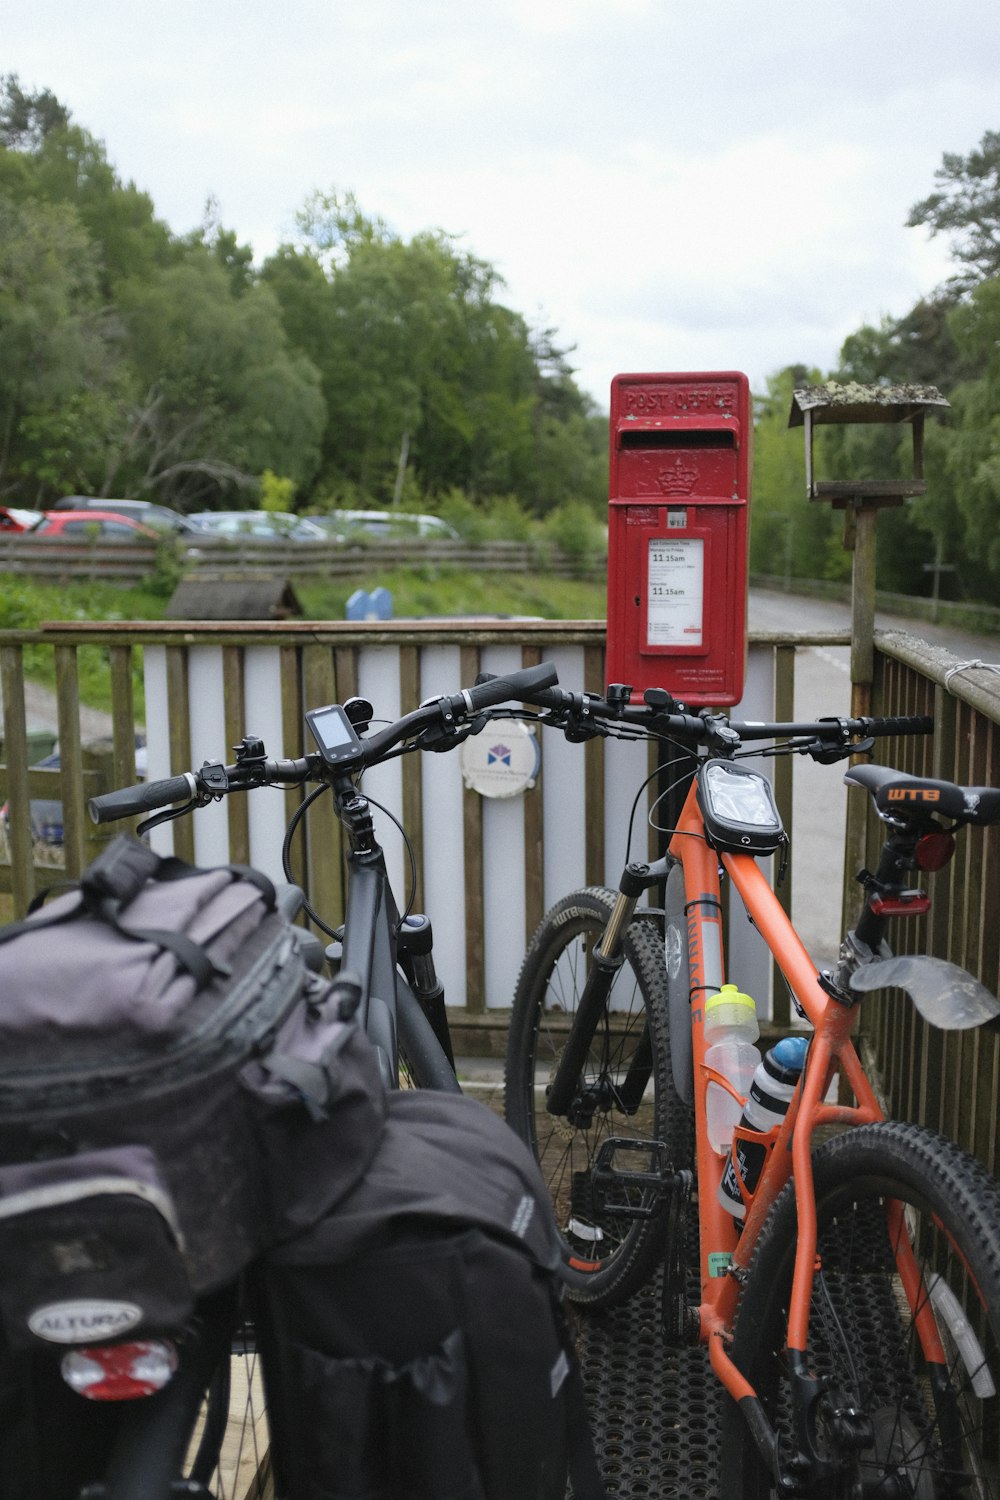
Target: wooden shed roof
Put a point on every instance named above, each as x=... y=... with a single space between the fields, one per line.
x=234 y=599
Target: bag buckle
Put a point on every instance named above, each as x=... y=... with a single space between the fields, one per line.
x=121 y=870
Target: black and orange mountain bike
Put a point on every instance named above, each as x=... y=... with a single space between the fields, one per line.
x=853 y=1316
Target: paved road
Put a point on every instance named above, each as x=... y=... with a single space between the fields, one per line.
x=778 y=611
x=41 y=713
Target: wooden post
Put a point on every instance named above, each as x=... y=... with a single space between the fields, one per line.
x=863 y=607
x=861 y=536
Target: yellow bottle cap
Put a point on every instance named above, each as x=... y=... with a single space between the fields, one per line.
x=730 y=995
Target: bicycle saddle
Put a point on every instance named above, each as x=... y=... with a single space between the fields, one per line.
x=897 y=792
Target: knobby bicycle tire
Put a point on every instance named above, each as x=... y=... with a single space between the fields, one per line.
x=607 y=1255
x=928 y=1432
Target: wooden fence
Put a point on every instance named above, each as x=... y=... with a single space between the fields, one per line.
x=486 y=870
x=948 y=1080
x=129 y=563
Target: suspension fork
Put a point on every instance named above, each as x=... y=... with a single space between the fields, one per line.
x=607 y=959
x=415 y=950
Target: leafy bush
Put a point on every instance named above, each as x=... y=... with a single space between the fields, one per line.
x=576 y=530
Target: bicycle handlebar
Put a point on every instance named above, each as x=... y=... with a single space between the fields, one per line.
x=447 y=719
x=146 y=797
x=662 y=715
x=529 y=686
x=838 y=728
x=448 y=714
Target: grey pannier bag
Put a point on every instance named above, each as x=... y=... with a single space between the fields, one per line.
x=175 y=1084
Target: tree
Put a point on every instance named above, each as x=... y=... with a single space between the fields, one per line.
x=222 y=244
x=63 y=164
x=353 y=361
x=60 y=377
x=918 y=349
x=223 y=397
x=972 y=449
x=26 y=119
x=790 y=535
x=422 y=361
x=966 y=206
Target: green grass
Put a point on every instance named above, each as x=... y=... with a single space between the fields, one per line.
x=25 y=605
x=417 y=593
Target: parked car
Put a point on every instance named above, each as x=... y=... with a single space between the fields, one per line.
x=401 y=524
x=270 y=525
x=160 y=517
x=14 y=519
x=47 y=812
x=94 y=525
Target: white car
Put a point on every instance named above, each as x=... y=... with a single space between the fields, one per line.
x=388 y=523
x=267 y=525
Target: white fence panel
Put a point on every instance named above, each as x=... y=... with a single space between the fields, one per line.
x=262 y=697
x=563 y=830
x=444 y=851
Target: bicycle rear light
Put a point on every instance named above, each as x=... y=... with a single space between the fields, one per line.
x=738 y=808
x=120 y=1372
x=905 y=904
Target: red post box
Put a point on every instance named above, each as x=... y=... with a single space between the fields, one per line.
x=678 y=504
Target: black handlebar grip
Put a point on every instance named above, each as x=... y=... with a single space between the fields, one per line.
x=130 y=801
x=528 y=686
x=906 y=724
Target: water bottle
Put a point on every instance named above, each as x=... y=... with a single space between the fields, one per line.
x=730 y=1030
x=767 y=1104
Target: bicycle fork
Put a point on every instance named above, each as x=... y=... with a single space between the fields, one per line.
x=628 y=1191
x=564 y=1095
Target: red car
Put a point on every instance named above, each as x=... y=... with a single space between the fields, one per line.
x=93 y=525
x=12 y=518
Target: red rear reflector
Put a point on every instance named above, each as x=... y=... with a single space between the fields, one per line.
x=889 y=906
x=120 y=1372
x=934 y=850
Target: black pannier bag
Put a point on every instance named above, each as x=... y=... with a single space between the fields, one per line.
x=414 y=1341
x=177 y=1091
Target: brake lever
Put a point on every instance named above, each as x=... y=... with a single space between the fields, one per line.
x=169 y=814
x=437 y=738
x=827 y=755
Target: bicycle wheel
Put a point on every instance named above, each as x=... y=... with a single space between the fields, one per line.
x=230 y=1451
x=607 y=1254
x=923 y=1430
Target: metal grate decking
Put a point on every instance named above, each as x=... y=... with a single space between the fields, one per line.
x=654 y=1411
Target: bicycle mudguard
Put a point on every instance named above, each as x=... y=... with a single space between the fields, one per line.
x=944 y=994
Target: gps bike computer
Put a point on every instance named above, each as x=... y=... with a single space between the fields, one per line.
x=334 y=734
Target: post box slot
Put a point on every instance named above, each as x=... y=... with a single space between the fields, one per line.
x=680 y=438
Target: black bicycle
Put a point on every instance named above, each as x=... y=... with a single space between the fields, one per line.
x=205 y=1433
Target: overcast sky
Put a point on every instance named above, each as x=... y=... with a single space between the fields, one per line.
x=671 y=186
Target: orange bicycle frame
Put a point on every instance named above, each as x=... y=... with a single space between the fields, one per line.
x=724 y=1252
